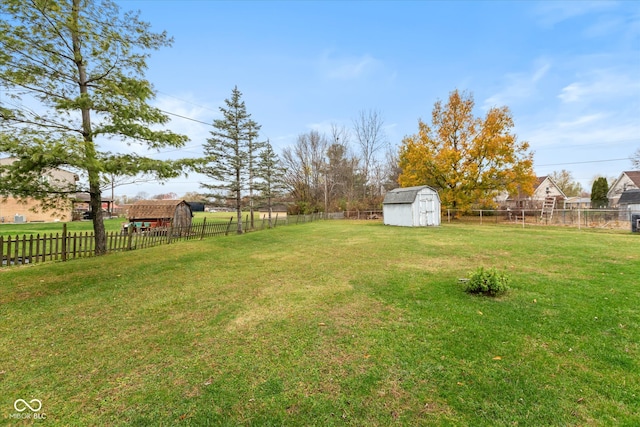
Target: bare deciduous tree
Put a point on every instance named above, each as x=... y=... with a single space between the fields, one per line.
x=635 y=159
x=370 y=137
x=304 y=163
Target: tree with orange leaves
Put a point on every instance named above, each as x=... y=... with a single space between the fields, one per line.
x=468 y=159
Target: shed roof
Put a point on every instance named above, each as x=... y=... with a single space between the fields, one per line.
x=630 y=197
x=144 y=209
x=405 y=195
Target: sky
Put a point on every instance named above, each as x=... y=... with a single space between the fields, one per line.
x=568 y=71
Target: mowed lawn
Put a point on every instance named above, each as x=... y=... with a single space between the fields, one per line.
x=330 y=323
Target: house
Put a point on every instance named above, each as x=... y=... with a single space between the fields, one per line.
x=629 y=204
x=412 y=207
x=627 y=180
x=279 y=209
x=146 y=214
x=577 y=203
x=544 y=188
x=29 y=209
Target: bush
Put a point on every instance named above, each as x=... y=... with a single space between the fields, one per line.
x=487 y=282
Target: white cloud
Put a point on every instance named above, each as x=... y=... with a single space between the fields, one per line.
x=572 y=92
x=518 y=86
x=346 y=68
x=606 y=85
x=598 y=129
x=582 y=120
x=550 y=13
x=604 y=26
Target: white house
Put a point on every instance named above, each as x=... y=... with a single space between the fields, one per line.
x=544 y=188
x=412 y=207
x=628 y=180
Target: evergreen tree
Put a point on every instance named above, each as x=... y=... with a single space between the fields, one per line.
x=254 y=149
x=271 y=175
x=82 y=62
x=228 y=151
x=599 y=191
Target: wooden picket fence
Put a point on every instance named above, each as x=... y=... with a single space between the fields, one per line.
x=63 y=246
x=32 y=249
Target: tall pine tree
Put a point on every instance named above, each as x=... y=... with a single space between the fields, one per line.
x=271 y=178
x=254 y=148
x=228 y=152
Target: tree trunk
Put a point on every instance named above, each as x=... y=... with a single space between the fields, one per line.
x=100 y=237
x=87 y=134
x=239 y=208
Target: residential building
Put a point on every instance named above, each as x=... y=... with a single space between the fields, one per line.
x=628 y=180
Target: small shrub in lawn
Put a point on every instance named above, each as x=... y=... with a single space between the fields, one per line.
x=487 y=282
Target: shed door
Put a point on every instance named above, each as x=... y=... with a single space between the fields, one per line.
x=426 y=210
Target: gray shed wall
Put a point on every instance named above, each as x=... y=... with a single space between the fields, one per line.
x=423 y=211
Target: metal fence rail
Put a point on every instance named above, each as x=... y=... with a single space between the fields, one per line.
x=587 y=218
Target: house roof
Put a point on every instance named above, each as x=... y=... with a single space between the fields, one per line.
x=536 y=186
x=147 y=209
x=54 y=172
x=404 y=195
x=614 y=189
x=634 y=176
x=630 y=197
x=578 y=200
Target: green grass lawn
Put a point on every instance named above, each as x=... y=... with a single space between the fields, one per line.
x=10 y=229
x=331 y=323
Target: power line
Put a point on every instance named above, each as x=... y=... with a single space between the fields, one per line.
x=602 y=144
x=580 y=163
x=186 y=118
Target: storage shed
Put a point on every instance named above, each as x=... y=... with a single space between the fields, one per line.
x=160 y=213
x=412 y=207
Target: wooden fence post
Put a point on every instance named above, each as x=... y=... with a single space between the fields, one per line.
x=204 y=223
x=129 y=237
x=30 y=257
x=226 y=233
x=64 y=241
